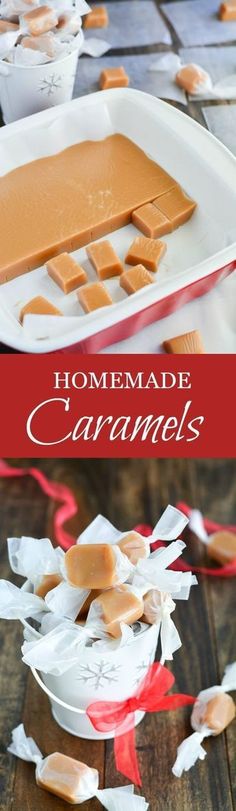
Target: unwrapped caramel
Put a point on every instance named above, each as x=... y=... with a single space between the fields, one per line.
x=135 y=278
x=93 y=296
x=227 y=11
x=104 y=259
x=190 y=343
x=113 y=77
x=48 y=582
x=65 y=271
x=134 y=546
x=92 y=566
x=151 y=221
x=222 y=546
x=147 y=252
x=38 y=306
x=97 y=18
x=118 y=605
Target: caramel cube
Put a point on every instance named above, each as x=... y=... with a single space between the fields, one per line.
x=135 y=278
x=118 y=605
x=151 y=603
x=6 y=25
x=222 y=546
x=151 y=221
x=176 y=205
x=48 y=582
x=219 y=712
x=97 y=18
x=65 y=777
x=65 y=271
x=190 y=343
x=145 y=251
x=190 y=78
x=38 y=306
x=40 y=20
x=104 y=259
x=93 y=296
x=113 y=77
x=91 y=566
x=227 y=11
x=134 y=546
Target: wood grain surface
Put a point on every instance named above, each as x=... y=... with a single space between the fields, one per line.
x=127 y=492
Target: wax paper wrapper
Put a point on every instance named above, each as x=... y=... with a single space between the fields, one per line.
x=95 y=47
x=66 y=600
x=154 y=570
x=32 y=557
x=17 y=604
x=113 y=799
x=196 y=525
x=191 y=750
x=158 y=609
x=170 y=525
x=7 y=42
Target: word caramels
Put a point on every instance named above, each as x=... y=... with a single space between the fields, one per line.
x=67 y=200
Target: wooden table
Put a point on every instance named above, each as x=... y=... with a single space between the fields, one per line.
x=126 y=492
x=193 y=108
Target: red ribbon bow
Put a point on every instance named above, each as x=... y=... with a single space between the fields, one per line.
x=120 y=715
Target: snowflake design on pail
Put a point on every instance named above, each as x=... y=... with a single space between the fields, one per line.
x=98 y=674
x=142 y=668
x=50 y=85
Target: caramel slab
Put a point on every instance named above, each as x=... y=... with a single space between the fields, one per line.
x=91 y=566
x=97 y=18
x=118 y=605
x=190 y=343
x=38 y=306
x=151 y=221
x=67 y=200
x=145 y=251
x=176 y=205
x=227 y=11
x=65 y=271
x=222 y=546
x=113 y=77
x=104 y=259
x=93 y=296
x=135 y=278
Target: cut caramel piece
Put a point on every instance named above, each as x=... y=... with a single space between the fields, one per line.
x=151 y=221
x=97 y=18
x=65 y=271
x=147 y=252
x=82 y=615
x=65 y=777
x=222 y=546
x=118 y=605
x=6 y=25
x=113 y=77
x=135 y=278
x=190 y=343
x=93 y=296
x=219 y=712
x=39 y=20
x=48 y=582
x=91 y=566
x=134 y=546
x=227 y=11
x=99 y=183
x=104 y=259
x=176 y=205
x=152 y=601
x=191 y=78
x=38 y=306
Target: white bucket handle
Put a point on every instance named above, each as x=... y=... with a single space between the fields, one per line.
x=52 y=696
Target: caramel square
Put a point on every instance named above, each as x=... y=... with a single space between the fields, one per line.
x=145 y=251
x=113 y=77
x=104 y=259
x=118 y=605
x=190 y=343
x=40 y=20
x=97 y=18
x=6 y=25
x=222 y=546
x=135 y=278
x=91 y=566
x=65 y=271
x=93 y=296
x=38 y=306
x=219 y=712
x=190 y=78
x=64 y=776
x=151 y=221
x=176 y=205
x=227 y=11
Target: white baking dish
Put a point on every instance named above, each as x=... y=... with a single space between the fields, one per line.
x=198 y=254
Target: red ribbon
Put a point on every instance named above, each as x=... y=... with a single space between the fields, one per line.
x=54 y=490
x=120 y=715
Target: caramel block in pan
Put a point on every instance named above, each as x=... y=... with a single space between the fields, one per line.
x=134 y=546
x=227 y=11
x=176 y=206
x=113 y=77
x=65 y=777
x=91 y=566
x=190 y=78
x=190 y=343
x=48 y=582
x=97 y=18
x=39 y=20
x=104 y=259
x=145 y=251
x=222 y=546
x=65 y=271
x=93 y=296
x=151 y=221
x=135 y=278
x=69 y=199
x=218 y=713
x=6 y=25
x=118 y=605
x=38 y=306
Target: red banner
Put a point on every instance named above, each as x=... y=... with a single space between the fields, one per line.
x=117 y=406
